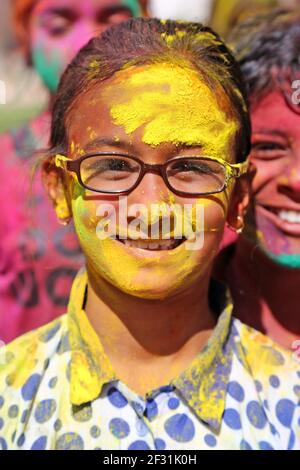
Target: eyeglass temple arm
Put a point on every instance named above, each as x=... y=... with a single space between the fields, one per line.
x=239 y=169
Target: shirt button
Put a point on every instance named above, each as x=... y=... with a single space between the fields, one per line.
x=151 y=410
x=138 y=407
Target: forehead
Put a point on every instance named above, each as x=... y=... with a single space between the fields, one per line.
x=273 y=113
x=169 y=103
x=88 y=6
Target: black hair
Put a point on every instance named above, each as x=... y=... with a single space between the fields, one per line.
x=267 y=48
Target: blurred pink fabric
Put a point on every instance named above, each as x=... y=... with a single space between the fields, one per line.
x=38 y=257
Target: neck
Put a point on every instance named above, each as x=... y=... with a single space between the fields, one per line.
x=266 y=294
x=155 y=338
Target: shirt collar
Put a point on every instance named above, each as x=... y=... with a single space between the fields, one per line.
x=90 y=367
x=203 y=384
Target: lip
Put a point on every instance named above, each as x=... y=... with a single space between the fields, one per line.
x=151 y=253
x=271 y=212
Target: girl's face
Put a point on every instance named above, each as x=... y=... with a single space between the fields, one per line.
x=153 y=112
x=60 y=28
x=276 y=186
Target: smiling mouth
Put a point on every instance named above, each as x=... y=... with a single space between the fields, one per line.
x=290 y=216
x=152 y=245
x=286 y=220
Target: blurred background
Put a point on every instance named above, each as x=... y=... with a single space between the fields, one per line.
x=26 y=96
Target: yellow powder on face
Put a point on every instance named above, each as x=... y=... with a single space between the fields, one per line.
x=173 y=104
x=75 y=149
x=169 y=104
x=91 y=133
x=139 y=276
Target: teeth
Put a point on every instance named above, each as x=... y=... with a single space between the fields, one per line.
x=157 y=245
x=290 y=216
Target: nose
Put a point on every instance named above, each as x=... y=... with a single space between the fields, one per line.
x=151 y=190
x=156 y=200
x=289 y=181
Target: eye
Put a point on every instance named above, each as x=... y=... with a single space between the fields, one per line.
x=109 y=164
x=199 y=167
x=268 y=150
x=114 y=14
x=59 y=23
x=119 y=16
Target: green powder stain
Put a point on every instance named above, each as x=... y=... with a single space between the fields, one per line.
x=48 y=68
x=133 y=5
x=288 y=261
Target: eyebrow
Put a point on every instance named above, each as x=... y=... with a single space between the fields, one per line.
x=58 y=10
x=65 y=10
x=271 y=132
x=118 y=144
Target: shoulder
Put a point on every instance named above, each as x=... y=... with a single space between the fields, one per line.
x=275 y=373
x=29 y=355
x=263 y=355
x=26 y=367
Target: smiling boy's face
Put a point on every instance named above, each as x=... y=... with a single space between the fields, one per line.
x=153 y=112
x=276 y=186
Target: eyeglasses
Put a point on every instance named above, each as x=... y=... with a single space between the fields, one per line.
x=118 y=173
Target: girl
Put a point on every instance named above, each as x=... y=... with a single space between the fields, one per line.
x=150 y=134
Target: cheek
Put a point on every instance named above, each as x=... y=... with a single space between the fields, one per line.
x=48 y=61
x=264 y=180
x=50 y=56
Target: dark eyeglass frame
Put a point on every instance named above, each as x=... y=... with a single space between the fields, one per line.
x=231 y=170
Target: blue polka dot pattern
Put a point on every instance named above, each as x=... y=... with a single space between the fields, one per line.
x=141 y=427
x=173 y=403
x=53 y=382
x=49 y=334
x=151 y=409
x=13 y=411
x=159 y=444
x=180 y=428
x=69 y=441
x=116 y=398
x=3 y=444
x=31 y=386
x=292 y=440
x=256 y=415
x=232 y=419
x=284 y=411
x=40 y=443
x=21 y=440
x=95 y=431
x=226 y=398
x=274 y=381
x=210 y=440
x=139 y=445
x=244 y=445
x=45 y=410
x=119 y=428
x=263 y=445
x=236 y=391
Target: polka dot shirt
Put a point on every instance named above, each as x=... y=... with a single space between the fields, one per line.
x=58 y=390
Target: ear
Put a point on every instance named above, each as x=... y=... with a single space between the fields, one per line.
x=240 y=199
x=56 y=186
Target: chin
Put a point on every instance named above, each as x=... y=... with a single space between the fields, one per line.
x=286 y=260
